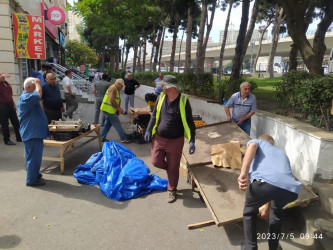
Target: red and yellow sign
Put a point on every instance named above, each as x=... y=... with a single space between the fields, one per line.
x=29 y=36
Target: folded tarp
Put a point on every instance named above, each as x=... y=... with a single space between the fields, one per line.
x=120 y=175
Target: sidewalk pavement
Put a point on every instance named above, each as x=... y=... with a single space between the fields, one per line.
x=64 y=214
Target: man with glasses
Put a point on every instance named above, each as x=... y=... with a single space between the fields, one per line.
x=51 y=100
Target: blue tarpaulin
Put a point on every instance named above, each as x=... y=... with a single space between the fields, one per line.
x=120 y=175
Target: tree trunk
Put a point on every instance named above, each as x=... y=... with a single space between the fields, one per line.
x=134 y=57
x=277 y=24
x=174 y=45
x=144 y=53
x=103 y=58
x=251 y=27
x=180 y=50
x=202 y=52
x=161 y=51
x=188 y=40
x=159 y=37
x=293 y=57
x=112 y=63
x=122 y=55
x=116 y=54
x=238 y=60
x=200 y=55
x=126 y=57
x=225 y=33
x=151 y=56
x=297 y=23
x=260 y=46
x=139 y=58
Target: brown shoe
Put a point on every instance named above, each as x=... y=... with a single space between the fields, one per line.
x=172 y=196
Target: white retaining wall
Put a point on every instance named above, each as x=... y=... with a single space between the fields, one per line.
x=309 y=149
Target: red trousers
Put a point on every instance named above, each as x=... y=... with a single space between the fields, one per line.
x=166 y=154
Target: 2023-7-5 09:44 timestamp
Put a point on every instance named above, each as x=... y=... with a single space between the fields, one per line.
x=273 y=236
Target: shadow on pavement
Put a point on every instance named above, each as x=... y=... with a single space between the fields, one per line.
x=9 y=241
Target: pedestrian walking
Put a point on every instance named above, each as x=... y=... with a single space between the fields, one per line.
x=99 y=91
x=170 y=122
x=70 y=94
x=111 y=109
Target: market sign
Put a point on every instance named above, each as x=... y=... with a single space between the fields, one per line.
x=56 y=15
x=29 y=36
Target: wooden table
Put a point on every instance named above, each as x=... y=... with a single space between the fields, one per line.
x=68 y=146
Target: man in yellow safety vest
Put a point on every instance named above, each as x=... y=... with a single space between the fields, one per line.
x=170 y=122
x=111 y=109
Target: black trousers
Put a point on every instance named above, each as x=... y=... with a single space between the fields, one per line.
x=258 y=194
x=7 y=111
x=53 y=114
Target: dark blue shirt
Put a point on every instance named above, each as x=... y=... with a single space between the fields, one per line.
x=51 y=96
x=33 y=121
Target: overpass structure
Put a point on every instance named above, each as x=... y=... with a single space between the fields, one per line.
x=213 y=53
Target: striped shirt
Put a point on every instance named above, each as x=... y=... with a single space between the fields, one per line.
x=242 y=107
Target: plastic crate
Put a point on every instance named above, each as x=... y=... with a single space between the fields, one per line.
x=64 y=136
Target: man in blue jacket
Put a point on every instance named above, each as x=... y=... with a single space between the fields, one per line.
x=33 y=129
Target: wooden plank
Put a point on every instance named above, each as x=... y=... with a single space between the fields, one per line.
x=219 y=189
x=225 y=133
x=48 y=158
x=201 y=224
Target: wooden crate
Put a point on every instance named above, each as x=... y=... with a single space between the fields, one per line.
x=134 y=112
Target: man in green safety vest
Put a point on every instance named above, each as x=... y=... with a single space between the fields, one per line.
x=170 y=122
x=111 y=109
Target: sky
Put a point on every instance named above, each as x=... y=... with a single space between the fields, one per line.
x=219 y=22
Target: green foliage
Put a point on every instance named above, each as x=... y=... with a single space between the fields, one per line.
x=300 y=93
x=81 y=53
x=287 y=91
x=315 y=98
x=147 y=77
x=201 y=85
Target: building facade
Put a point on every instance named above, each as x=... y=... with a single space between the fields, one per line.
x=232 y=35
x=55 y=39
x=73 y=22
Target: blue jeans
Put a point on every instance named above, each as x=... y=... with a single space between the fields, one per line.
x=112 y=120
x=97 y=111
x=33 y=151
x=129 y=98
x=245 y=125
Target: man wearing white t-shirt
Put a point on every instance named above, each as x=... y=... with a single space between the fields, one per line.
x=70 y=92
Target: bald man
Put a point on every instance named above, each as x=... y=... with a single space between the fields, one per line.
x=33 y=129
x=51 y=99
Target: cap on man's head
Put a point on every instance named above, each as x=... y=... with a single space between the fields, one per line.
x=169 y=81
x=121 y=81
